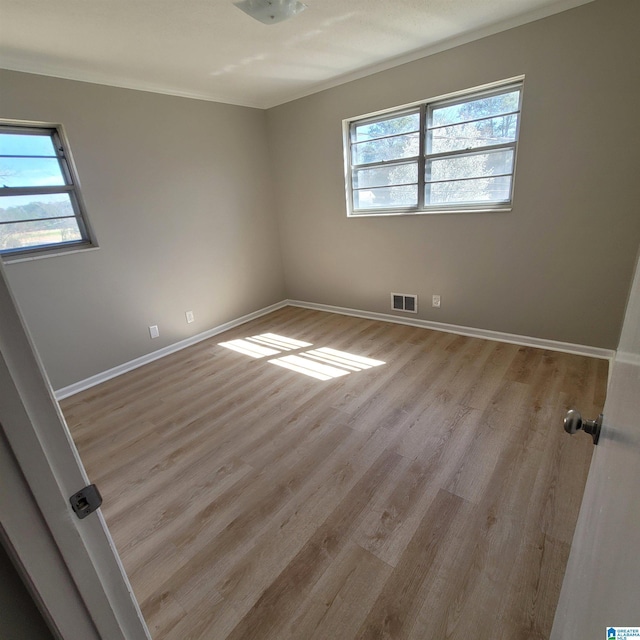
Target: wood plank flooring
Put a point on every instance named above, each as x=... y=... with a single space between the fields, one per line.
x=432 y=496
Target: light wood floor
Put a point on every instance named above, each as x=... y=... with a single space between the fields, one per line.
x=434 y=496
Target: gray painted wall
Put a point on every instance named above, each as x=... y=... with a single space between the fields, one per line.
x=225 y=210
x=559 y=265
x=179 y=195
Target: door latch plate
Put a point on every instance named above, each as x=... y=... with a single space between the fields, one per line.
x=86 y=501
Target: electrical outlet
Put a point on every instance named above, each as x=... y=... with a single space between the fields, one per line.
x=435 y=301
x=154 y=332
x=189 y=316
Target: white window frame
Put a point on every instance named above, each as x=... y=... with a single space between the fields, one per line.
x=71 y=187
x=425 y=108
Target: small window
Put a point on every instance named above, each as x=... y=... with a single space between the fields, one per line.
x=451 y=154
x=41 y=207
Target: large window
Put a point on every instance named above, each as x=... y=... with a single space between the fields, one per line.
x=451 y=154
x=40 y=204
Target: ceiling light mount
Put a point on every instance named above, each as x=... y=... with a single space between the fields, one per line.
x=271 y=11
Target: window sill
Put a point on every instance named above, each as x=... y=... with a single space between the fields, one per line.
x=387 y=214
x=54 y=253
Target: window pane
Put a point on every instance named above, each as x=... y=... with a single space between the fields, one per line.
x=30 y=172
x=470 y=135
x=386 y=197
x=19 y=144
x=54 y=205
x=406 y=123
x=386 y=176
x=468 y=152
x=478 y=190
x=20 y=235
x=471 y=166
x=474 y=109
x=32 y=159
x=405 y=146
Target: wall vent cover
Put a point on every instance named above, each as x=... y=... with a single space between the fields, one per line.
x=404 y=302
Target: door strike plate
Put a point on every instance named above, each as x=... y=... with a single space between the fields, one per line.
x=86 y=501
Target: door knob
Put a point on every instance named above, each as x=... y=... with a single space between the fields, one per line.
x=573 y=422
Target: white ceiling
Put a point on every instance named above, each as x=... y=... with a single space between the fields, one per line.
x=210 y=49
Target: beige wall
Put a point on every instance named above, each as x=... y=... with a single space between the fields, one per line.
x=559 y=265
x=179 y=195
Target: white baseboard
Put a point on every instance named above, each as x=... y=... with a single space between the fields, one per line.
x=499 y=336
x=541 y=343
x=82 y=385
x=625 y=357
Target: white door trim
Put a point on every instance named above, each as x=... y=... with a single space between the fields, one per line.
x=94 y=599
x=30 y=545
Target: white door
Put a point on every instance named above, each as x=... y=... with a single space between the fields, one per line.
x=601 y=587
x=70 y=564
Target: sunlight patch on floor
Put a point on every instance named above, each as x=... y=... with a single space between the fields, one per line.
x=263 y=345
x=249 y=348
x=309 y=367
x=279 y=342
x=343 y=359
x=323 y=363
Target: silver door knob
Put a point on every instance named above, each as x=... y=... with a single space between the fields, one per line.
x=573 y=422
